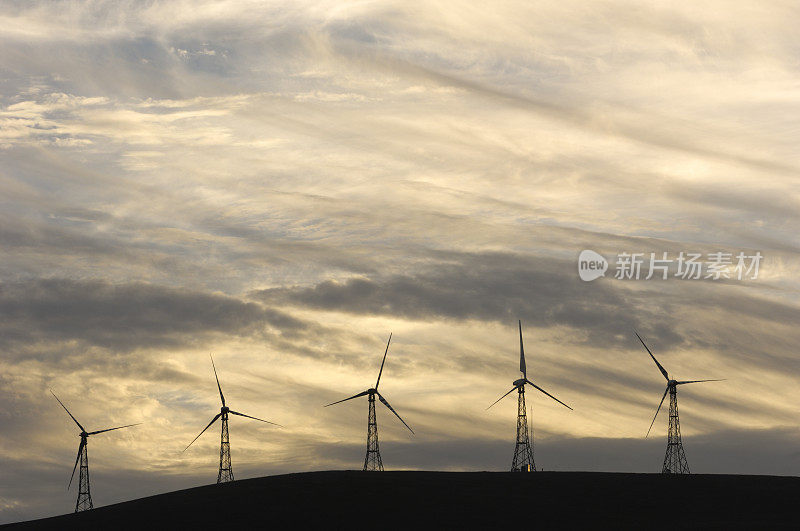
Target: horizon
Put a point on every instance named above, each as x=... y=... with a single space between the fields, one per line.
x=284 y=186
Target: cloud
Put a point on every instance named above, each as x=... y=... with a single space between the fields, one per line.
x=127 y=317
x=489 y=287
x=286 y=184
x=542 y=291
x=547 y=294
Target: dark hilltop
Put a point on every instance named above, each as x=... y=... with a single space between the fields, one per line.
x=447 y=500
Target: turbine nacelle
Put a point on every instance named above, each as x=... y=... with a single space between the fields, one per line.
x=84 y=498
x=372 y=391
x=672 y=384
x=223 y=412
x=520 y=383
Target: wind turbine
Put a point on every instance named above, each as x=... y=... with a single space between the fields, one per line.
x=523 y=454
x=675 y=458
x=225 y=471
x=372 y=461
x=84 y=501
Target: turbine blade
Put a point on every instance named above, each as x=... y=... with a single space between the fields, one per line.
x=384 y=360
x=111 y=429
x=548 y=394
x=698 y=381
x=222 y=397
x=502 y=397
x=346 y=399
x=80 y=449
x=660 y=368
x=204 y=430
x=254 y=418
x=67 y=410
x=386 y=403
x=657 y=410
x=521 y=353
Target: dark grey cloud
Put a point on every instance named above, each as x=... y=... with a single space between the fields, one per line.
x=545 y=292
x=127 y=316
x=73 y=325
x=499 y=287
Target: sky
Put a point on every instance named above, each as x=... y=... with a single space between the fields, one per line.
x=283 y=184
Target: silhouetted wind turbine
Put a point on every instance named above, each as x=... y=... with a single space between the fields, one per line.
x=675 y=458
x=225 y=470
x=523 y=454
x=84 y=501
x=372 y=461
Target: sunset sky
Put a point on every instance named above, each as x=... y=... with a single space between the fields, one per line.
x=283 y=184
